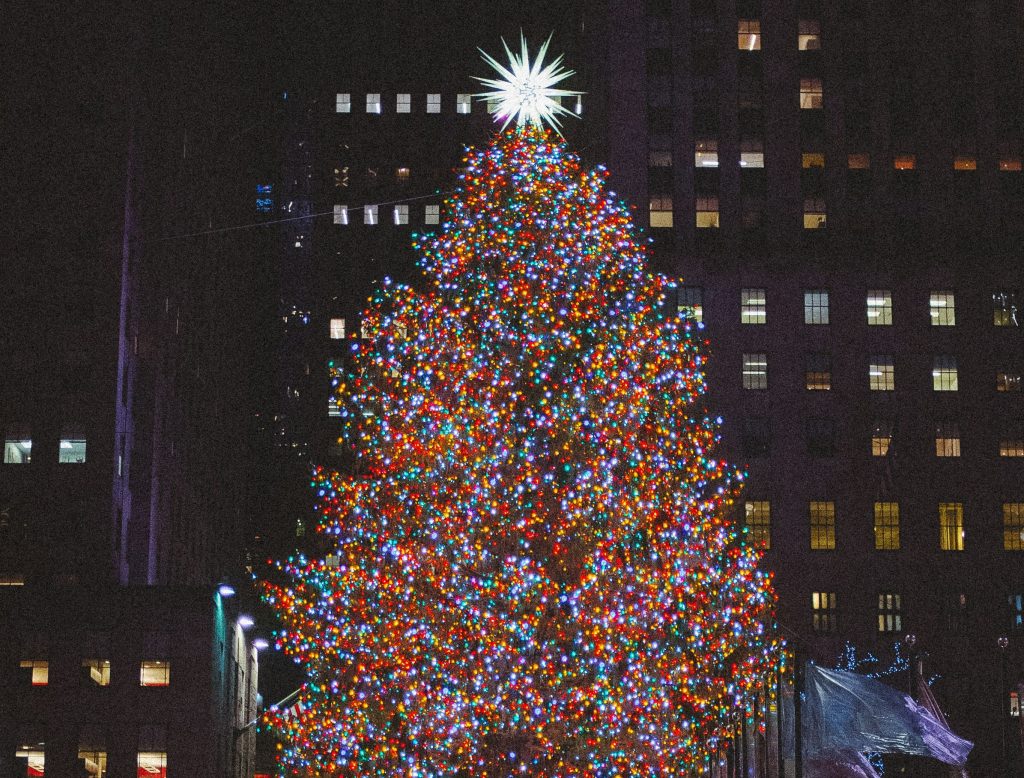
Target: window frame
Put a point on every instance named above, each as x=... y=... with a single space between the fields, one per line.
x=881 y=373
x=886 y=525
x=942 y=308
x=813 y=307
x=951 y=526
x=755 y=380
x=822 y=521
x=757 y=518
x=753 y=305
x=882 y=307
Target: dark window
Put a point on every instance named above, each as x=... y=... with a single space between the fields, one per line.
x=757 y=438
x=820 y=437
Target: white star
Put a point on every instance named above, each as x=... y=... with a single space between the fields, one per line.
x=525 y=92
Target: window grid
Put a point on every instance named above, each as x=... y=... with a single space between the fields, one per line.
x=823 y=525
x=1016 y=603
x=808 y=35
x=705 y=153
x=944 y=373
x=1011 y=441
x=1004 y=309
x=757 y=515
x=369 y=214
x=811 y=93
x=1013 y=526
x=749 y=35
x=661 y=211
x=879 y=307
x=951 y=526
x=401 y=214
x=881 y=438
x=341 y=214
x=816 y=306
x=753 y=306
x=1007 y=381
x=815 y=216
x=818 y=371
x=707 y=212
x=403 y=103
x=824 y=611
x=343 y=102
x=887 y=526
x=433 y=103
x=947 y=439
x=942 y=309
x=432 y=214
x=373 y=102
x=890 y=616
x=881 y=373
x=755 y=371
x=690 y=302
x=463 y=103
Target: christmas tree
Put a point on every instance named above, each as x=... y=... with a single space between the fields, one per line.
x=534 y=568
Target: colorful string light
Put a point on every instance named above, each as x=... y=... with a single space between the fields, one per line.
x=535 y=572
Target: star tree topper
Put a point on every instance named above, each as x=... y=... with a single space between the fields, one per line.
x=526 y=92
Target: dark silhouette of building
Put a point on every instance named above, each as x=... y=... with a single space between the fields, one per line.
x=125 y=321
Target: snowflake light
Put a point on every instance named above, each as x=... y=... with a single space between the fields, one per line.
x=526 y=92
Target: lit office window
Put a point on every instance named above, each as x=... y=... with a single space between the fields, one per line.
x=816 y=306
x=881 y=373
x=1011 y=440
x=1013 y=526
x=369 y=214
x=753 y=306
x=808 y=35
x=17 y=446
x=401 y=214
x=402 y=173
x=812 y=159
x=887 y=526
x=904 y=161
x=944 y=373
x=1016 y=603
x=757 y=515
x=706 y=153
x=947 y=439
x=881 y=437
x=858 y=161
x=749 y=35
x=879 y=307
x=433 y=103
x=34 y=755
x=152 y=763
x=373 y=102
x=1010 y=163
x=1007 y=381
x=951 y=526
x=811 y=95
x=823 y=525
x=690 y=302
x=942 y=309
x=38 y=671
x=707 y=212
x=97 y=671
x=154 y=673
x=343 y=103
x=72 y=447
x=823 y=611
x=814 y=213
x=965 y=162
x=337 y=329
x=432 y=214
x=818 y=371
x=890 y=612
x=755 y=371
x=341 y=214
x=1004 y=309
x=463 y=103
x=403 y=103
x=751 y=153
x=93 y=762
x=661 y=211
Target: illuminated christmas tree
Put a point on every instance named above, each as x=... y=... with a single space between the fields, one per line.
x=535 y=570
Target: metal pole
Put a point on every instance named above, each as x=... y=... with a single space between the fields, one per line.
x=798 y=685
x=1003 y=642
